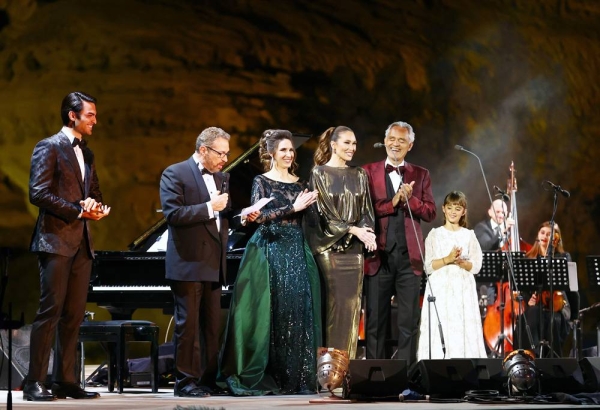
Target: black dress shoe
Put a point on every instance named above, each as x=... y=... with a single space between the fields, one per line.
x=215 y=390
x=63 y=390
x=191 y=390
x=35 y=391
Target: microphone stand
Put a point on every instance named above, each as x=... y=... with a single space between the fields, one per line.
x=7 y=323
x=550 y=257
x=431 y=298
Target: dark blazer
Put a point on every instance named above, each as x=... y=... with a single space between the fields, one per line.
x=422 y=206
x=196 y=250
x=58 y=230
x=488 y=239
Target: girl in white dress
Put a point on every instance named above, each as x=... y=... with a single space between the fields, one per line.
x=452 y=258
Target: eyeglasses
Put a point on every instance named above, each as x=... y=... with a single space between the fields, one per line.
x=219 y=153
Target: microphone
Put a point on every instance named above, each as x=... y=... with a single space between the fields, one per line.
x=379 y=145
x=502 y=193
x=461 y=148
x=564 y=192
x=224 y=187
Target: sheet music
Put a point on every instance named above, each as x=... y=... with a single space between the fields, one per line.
x=161 y=243
x=573 y=283
x=256 y=207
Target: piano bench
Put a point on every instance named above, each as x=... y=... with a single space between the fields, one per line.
x=116 y=334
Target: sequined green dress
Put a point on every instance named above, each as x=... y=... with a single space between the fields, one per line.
x=274 y=324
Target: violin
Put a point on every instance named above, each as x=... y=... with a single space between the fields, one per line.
x=558 y=300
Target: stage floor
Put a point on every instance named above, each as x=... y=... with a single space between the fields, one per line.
x=142 y=398
x=164 y=399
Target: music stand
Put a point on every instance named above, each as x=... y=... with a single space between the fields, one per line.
x=534 y=274
x=491 y=271
x=592 y=263
x=491 y=267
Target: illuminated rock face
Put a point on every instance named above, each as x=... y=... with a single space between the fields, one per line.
x=510 y=80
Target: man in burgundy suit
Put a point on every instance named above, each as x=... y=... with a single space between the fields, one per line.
x=396 y=268
x=64 y=186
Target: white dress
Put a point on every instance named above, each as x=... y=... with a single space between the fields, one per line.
x=456 y=298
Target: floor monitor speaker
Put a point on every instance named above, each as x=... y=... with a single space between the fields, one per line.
x=560 y=375
x=376 y=379
x=490 y=374
x=590 y=367
x=444 y=377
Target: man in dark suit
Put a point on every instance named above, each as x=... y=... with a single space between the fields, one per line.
x=64 y=186
x=491 y=232
x=396 y=268
x=196 y=205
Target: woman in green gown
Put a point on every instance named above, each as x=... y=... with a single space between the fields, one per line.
x=338 y=228
x=274 y=324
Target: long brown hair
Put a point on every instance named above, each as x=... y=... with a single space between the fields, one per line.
x=457 y=197
x=269 y=142
x=536 y=249
x=323 y=152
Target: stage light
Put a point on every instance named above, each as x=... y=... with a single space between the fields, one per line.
x=522 y=374
x=332 y=369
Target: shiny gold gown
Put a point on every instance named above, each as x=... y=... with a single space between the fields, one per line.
x=343 y=202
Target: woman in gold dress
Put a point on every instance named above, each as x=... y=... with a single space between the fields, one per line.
x=338 y=228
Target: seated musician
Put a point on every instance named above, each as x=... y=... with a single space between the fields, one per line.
x=536 y=302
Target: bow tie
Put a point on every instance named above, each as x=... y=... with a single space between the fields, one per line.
x=80 y=142
x=390 y=168
x=206 y=172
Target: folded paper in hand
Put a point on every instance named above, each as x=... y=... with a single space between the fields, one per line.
x=256 y=207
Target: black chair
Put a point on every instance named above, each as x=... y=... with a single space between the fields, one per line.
x=116 y=334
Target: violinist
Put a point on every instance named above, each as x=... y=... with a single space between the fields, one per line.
x=537 y=302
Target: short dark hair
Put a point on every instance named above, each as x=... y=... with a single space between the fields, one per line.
x=74 y=102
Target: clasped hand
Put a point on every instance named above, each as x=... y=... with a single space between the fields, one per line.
x=367 y=236
x=454 y=256
x=93 y=210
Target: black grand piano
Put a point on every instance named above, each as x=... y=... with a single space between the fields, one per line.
x=123 y=281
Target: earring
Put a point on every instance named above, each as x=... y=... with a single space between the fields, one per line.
x=271 y=162
x=334 y=150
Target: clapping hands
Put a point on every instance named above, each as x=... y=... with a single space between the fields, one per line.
x=305 y=199
x=454 y=255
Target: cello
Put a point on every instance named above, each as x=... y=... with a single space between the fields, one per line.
x=500 y=318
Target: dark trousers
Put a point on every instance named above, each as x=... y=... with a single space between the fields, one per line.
x=196 y=335
x=395 y=276
x=64 y=283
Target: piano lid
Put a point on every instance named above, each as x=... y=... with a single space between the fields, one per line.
x=243 y=170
